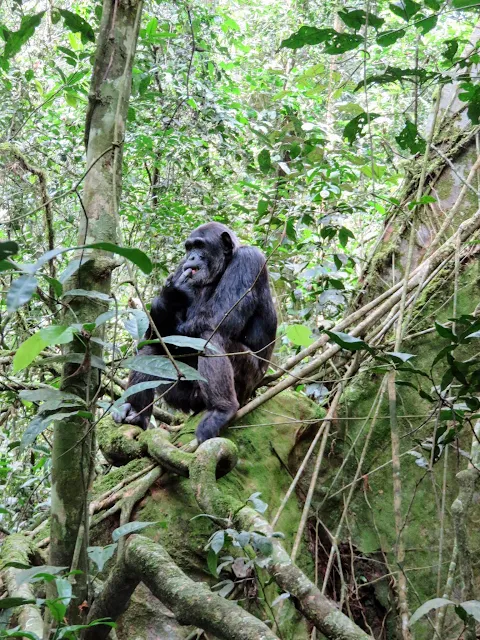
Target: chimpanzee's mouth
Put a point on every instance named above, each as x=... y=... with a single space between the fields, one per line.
x=194 y=271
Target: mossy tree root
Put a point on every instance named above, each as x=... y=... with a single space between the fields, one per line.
x=192 y=603
x=316 y=608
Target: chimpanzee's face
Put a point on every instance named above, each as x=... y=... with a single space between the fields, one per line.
x=208 y=251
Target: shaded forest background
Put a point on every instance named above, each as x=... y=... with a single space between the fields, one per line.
x=343 y=141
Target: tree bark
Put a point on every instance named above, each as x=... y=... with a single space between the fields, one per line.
x=73 y=447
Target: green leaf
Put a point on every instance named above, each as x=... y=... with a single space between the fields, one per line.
x=39 y=424
x=264 y=161
x=300 y=335
x=335 y=42
x=387 y=38
x=305 y=35
x=357 y=18
x=101 y=555
x=445 y=332
x=57 y=334
x=198 y=344
x=212 y=563
x=409 y=138
x=34 y=574
x=396 y=74
x=428 y=606
x=129 y=528
x=471 y=94
x=355 y=128
x=427 y=24
x=343 y=235
x=18 y=38
x=136 y=256
x=55 y=284
x=434 y=5
x=13 y=603
x=217 y=541
x=77 y=24
x=44 y=394
x=465 y=4
x=348 y=342
x=162 y=367
x=342 y=42
x=8 y=249
x=20 y=292
x=72 y=267
x=472 y=607
x=451 y=49
x=405 y=9
x=96 y=295
x=28 y=351
x=138 y=324
x=398 y=355
x=136 y=388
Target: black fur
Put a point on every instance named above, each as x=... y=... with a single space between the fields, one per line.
x=209 y=290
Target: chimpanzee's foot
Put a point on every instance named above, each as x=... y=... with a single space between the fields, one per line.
x=211 y=425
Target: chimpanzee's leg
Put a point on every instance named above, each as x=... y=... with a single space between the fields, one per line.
x=218 y=392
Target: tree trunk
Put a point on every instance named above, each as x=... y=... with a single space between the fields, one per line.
x=74 y=445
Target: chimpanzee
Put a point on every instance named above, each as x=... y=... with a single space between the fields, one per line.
x=220 y=288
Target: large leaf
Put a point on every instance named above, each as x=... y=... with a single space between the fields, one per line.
x=405 y=9
x=472 y=607
x=13 y=603
x=410 y=139
x=57 y=334
x=300 y=335
x=264 y=161
x=101 y=555
x=136 y=388
x=430 y=605
x=137 y=325
x=161 y=367
x=357 y=18
x=356 y=128
x=397 y=74
x=34 y=574
x=28 y=351
x=471 y=95
x=18 y=38
x=198 y=344
x=335 y=42
x=136 y=256
x=20 y=292
x=77 y=24
x=96 y=295
x=39 y=424
x=8 y=249
x=43 y=394
x=388 y=38
x=348 y=342
x=130 y=527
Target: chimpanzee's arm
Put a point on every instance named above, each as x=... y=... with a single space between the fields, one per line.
x=166 y=310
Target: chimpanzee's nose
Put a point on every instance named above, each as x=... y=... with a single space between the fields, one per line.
x=192 y=262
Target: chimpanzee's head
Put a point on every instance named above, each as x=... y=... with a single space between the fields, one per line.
x=209 y=249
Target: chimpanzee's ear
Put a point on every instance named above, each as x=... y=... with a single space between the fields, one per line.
x=227 y=243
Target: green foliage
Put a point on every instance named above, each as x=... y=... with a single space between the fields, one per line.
x=14 y=40
x=356 y=127
x=409 y=138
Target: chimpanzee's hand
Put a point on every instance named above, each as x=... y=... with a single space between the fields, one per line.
x=178 y=286
x=126 y=414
